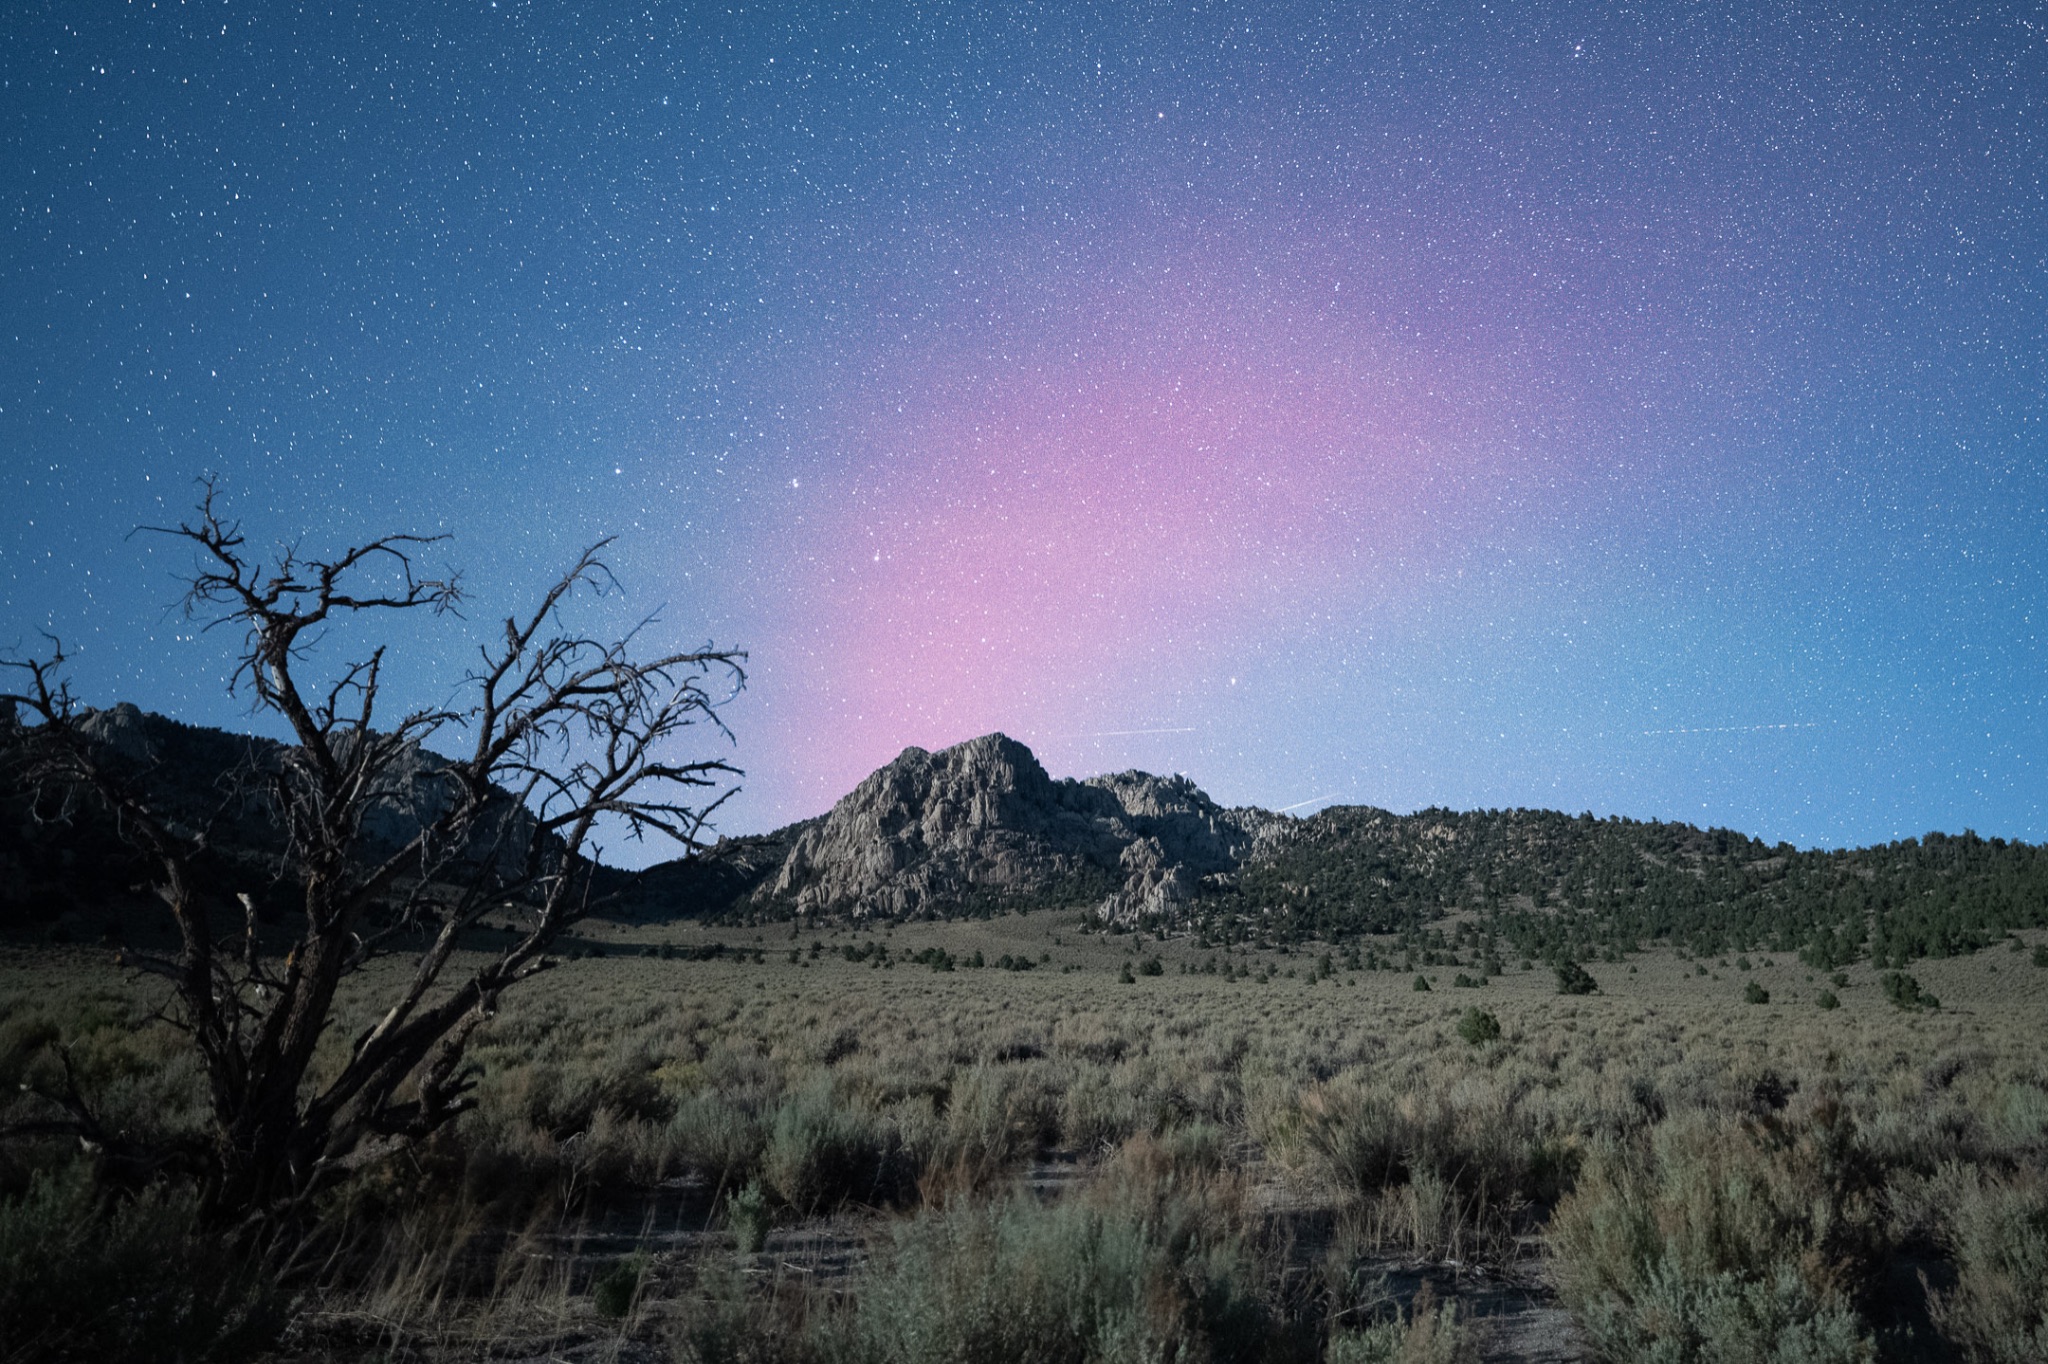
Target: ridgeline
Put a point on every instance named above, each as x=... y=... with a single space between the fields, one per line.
x=981 y=829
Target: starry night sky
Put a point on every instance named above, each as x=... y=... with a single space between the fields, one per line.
x=1469 y=405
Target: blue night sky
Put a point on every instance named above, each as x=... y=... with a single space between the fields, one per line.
x=1637 y=410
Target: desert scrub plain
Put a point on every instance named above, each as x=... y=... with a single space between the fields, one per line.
x=706 y=1143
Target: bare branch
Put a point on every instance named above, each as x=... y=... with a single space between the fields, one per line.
x=567 y=733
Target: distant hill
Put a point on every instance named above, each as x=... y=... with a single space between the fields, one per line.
x=60 y=856
x=981 y=828
x=1553 y=885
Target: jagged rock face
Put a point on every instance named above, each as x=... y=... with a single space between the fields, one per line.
x=1190 y=829
x=1153 y=887
x=932 y=829
x=1180 y=836
x=121 y=729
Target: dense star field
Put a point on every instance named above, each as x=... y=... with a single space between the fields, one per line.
x=1631 y=412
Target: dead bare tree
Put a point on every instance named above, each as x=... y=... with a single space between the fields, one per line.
x=562 y=732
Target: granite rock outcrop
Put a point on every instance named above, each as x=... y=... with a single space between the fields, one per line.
x=983 y=824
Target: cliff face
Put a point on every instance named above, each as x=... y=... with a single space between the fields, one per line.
x=932 y=831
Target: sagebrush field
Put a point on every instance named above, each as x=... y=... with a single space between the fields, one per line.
x=854 y=1144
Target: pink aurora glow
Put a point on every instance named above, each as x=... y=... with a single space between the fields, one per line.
x=1073 y=546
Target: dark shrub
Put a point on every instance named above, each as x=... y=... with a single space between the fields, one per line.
x=1997 y=1230
x=1907 y=993
x=614 y=1291
x=1574 y=979
x=1479 y=1027
x=82 y=1277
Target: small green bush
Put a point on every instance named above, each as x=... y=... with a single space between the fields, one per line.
x=1479 y=1027
x=748 y=1216
x=614 y=1291
x=1907 y=993
x=1442 y=1175
x=1151 y=966
x=1754 y=993
x=1082 y=1280
x=821 y=1153
x=1827 y=1000
x=1421 y=985
x=2041 y=956
x=1574 y=979
x=721 y=1133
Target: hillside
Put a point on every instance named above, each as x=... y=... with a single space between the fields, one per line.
x=62 y=853
x=981 y=828
x=1549 y=885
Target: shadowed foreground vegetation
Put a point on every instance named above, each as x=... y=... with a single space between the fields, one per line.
x=770 y=1152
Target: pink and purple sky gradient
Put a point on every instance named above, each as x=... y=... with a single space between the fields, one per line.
x=1547 y=406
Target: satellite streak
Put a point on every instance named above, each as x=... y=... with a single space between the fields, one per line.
x=1121 y=733
x=1735 y=729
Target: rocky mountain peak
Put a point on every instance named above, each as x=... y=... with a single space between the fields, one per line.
x=931 y=829
x=984 y=821
x=988 y=783
x=123 y=729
